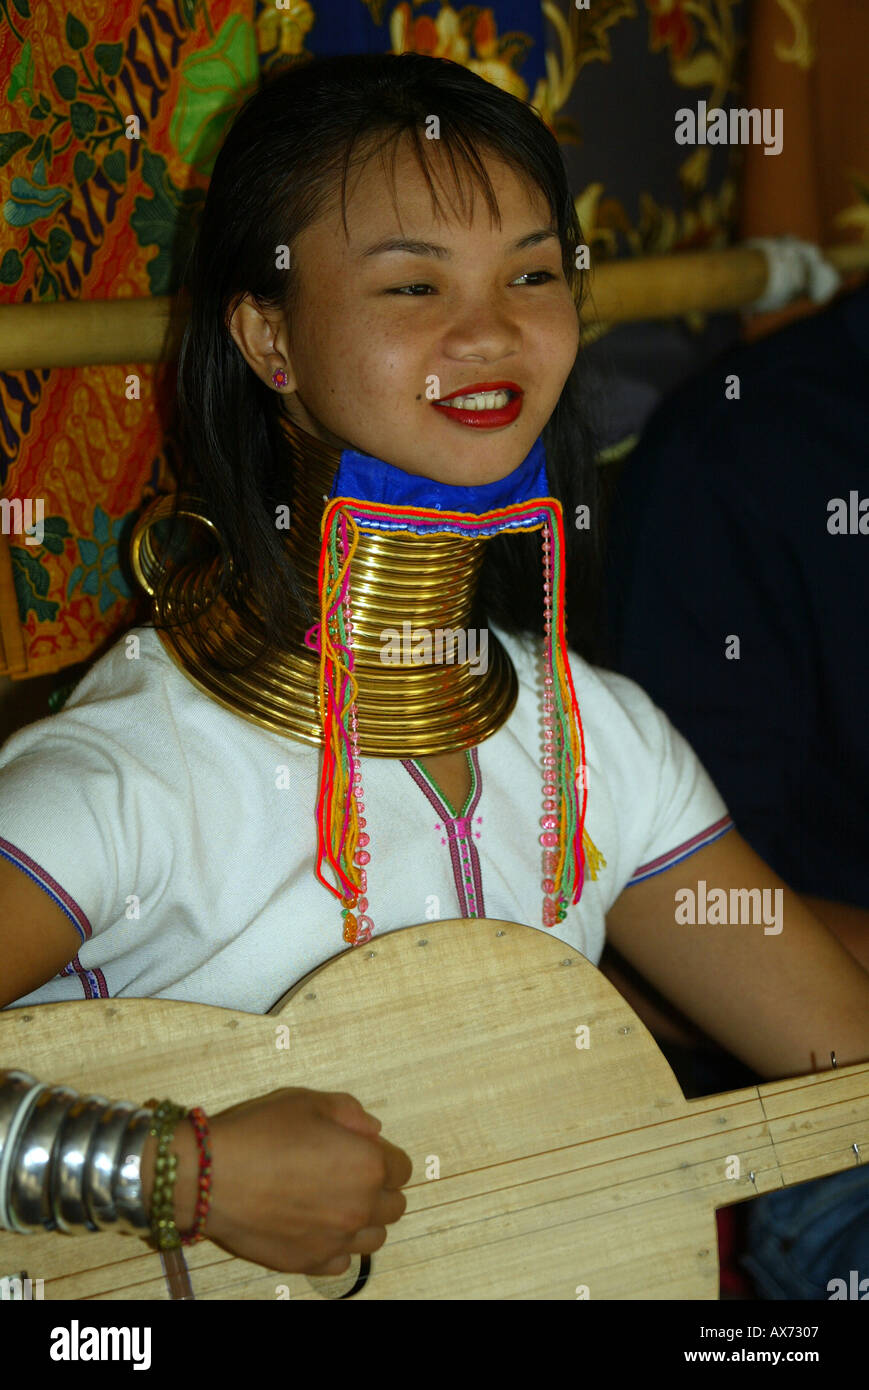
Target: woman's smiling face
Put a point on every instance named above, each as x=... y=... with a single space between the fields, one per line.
x=371 y=326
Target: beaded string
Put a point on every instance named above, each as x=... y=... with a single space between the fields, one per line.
x=570 y=749
x=199 y=1121
x=329 y=636
x=568 y=851
x=341 y=782
x=552 y=911
x=346 y=700
x=356 y=929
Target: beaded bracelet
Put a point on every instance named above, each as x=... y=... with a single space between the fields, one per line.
x=199 y=1121
x=163 y=1228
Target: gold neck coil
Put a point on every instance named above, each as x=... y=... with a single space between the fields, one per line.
x=399 y=584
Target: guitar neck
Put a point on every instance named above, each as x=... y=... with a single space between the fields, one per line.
x=791 y=1131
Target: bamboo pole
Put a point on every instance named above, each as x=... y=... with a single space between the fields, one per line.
x=654 y=287
x=79 y=333
x=89 y=332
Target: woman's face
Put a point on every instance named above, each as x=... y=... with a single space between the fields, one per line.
x=372 y=328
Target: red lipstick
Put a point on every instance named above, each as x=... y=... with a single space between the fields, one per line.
x=483 y=419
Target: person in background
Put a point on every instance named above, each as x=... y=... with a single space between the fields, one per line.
x=736 y=594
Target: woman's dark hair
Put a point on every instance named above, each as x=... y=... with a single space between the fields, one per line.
x=282 y=163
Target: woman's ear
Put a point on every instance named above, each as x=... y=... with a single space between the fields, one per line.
x=262 y=339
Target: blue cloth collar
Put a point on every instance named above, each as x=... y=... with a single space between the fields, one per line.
x=369 y=479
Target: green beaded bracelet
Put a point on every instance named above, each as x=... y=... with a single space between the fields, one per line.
x=164 y=1232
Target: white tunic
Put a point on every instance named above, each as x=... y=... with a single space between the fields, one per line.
x=180 y=838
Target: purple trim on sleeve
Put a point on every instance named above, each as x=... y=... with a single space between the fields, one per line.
x=683 y=851
x=59 y=895
x=93 y=982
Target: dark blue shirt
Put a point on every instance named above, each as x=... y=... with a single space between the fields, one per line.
x=720 y=530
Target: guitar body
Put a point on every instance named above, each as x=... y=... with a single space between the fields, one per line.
x=548 y=1162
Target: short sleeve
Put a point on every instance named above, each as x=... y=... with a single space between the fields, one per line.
x=57 y=820
x=665 y=805
x=74 y=791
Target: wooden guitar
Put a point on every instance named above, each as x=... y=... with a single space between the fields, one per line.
x=554 y=1154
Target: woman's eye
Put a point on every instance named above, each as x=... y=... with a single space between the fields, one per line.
x=539 y=276
x=547 y=275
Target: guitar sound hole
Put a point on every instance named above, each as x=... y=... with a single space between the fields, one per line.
x=340 y=1286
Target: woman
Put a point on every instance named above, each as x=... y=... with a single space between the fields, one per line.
x=234 y=773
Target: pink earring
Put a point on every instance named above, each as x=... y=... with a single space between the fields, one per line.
x=279 y=377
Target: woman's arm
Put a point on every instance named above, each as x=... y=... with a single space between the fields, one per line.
x=37 y=938
x=848 y=923
x=781 y=1001
x=325 y=1185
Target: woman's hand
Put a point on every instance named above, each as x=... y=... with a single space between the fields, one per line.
x=300 y=1180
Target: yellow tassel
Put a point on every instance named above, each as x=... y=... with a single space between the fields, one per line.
x=594 y=860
